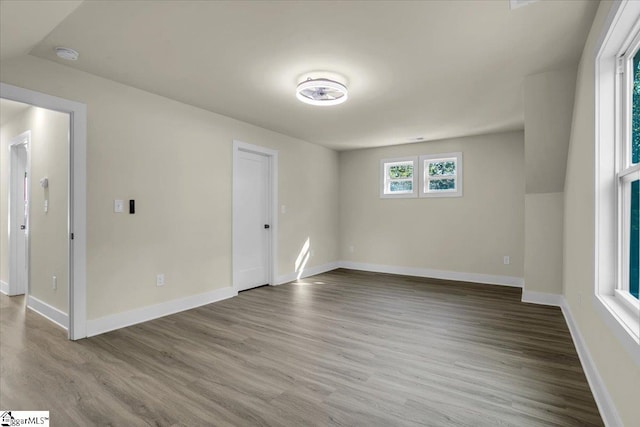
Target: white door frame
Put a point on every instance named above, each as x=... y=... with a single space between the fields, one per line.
x=77 y=212
x=22 y=140
x=272 y=198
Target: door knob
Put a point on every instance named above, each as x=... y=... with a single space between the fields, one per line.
x=23 y=227
x=267 y=226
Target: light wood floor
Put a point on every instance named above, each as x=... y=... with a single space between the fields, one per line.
x=341 y=348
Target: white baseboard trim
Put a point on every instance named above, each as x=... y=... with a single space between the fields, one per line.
x=58 y=317
x=517 y=282
x=4 y=287
x=603 y=400
x=144 y=314
x=542 y=298
x=286 y=278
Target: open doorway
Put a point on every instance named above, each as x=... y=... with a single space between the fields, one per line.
x=50 y=132
x=36 y=140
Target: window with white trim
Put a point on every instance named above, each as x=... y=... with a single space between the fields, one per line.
x=441 y=175
x=628 y=169
x=398 y=177
x=617 y=172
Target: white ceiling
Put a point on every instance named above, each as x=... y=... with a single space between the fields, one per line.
x=10 y=109
x=434 y=69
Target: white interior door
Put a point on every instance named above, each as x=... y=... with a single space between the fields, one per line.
x=19 y=218
x=253 y=228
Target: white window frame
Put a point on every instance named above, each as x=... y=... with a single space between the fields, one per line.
x=626 y=172
x=425 y=179
x=385 y=192
x=617 y=307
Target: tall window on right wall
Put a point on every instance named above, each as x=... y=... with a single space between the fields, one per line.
x=617 y=174
x=629 y=170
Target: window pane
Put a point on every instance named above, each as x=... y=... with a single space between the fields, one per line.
x=634 y=239
x=635 y=110
x=442 y=184
x=400 y=186
x=401 y=171
x=447 y=167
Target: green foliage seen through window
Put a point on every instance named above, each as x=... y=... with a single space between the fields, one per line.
x=401 y=171
x=396 y=186
x=442 y=184
x=442 y=168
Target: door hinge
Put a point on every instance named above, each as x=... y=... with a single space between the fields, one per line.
x=71 y=236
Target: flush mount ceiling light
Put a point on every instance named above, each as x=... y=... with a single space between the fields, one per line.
x=321 y=91
x=66 y=53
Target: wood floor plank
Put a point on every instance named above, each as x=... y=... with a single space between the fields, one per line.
x=343 y=348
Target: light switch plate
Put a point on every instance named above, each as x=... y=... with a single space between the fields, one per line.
x=118 y=206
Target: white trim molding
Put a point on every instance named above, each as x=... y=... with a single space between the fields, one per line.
x=4 y=287
x=542 y=298
x=312 y=271
x=49 y=312
x=603 y=400
x=144 y=314
x=489 y=279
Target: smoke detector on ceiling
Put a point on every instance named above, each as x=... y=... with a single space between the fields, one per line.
x=321 y=91
x=67 y=53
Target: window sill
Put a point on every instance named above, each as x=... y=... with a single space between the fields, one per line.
x=457 y=193
x=399 y=196
x=629 y=303
x=624 y=320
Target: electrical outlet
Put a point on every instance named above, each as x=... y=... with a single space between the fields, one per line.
x=54 y=283
x=160 y=280
x=506 y=260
